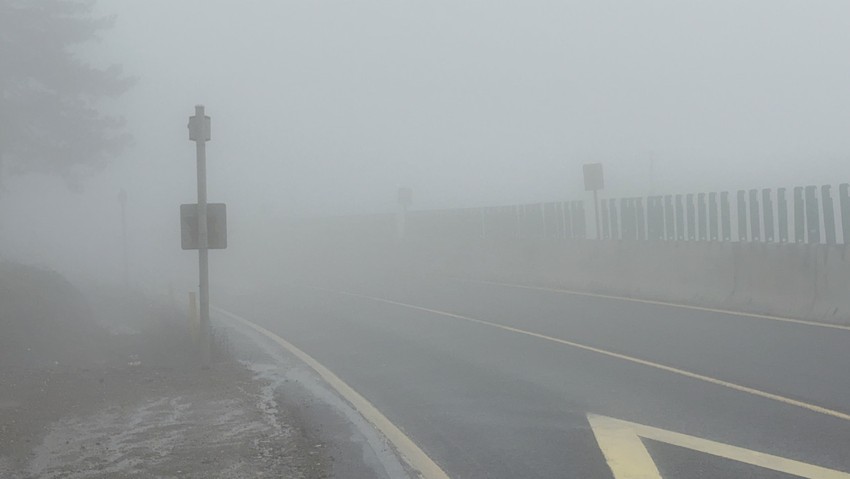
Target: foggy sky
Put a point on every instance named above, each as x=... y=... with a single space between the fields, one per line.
x=328 y=107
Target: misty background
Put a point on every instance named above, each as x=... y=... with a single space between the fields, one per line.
x=326 y=108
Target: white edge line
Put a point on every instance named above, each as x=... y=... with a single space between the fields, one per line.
x=657 y=303
x=410 y=452
x=632 y=359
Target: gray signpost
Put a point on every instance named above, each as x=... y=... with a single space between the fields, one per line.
x=122 y=199
x=199 y=132
x=593 y=181
x=405 y=199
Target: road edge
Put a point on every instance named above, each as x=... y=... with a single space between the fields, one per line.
x=409 y=452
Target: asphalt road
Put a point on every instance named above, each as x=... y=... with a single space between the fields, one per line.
x=493 y=381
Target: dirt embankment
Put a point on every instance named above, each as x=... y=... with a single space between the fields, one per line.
x=108 y=385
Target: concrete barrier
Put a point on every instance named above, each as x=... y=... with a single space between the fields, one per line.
x=791 y=280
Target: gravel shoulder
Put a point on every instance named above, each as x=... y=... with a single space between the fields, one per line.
x=117 y=392
x=136 y=421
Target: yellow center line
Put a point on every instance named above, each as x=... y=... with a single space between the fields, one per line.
x=657 y=303
x=632 y=359
x=410 y=452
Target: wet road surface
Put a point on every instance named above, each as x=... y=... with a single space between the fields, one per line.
x=496 y=381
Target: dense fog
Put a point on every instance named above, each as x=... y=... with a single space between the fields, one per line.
x=326 y=108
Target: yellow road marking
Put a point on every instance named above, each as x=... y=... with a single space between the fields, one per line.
x=410 y=452
x=662 y=367
x=624 y=452
x=657 y=303
x=628 y=458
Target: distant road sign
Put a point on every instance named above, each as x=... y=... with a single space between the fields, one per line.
x=405 y=196
x=199 y=128
x=216 y=226
x=593 y=177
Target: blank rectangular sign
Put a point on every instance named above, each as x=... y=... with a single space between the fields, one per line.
x=216 y=226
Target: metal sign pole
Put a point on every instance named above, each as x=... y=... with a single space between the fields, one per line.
x=122 y=198
x=199 y=127
x=594 y=181
x=596 y=211
x=405 y=198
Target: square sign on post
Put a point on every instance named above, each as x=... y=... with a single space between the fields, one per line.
x=216 y=226
x=593 y=177
x=200 y=130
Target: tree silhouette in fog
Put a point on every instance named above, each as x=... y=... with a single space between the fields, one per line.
x=49 y=117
